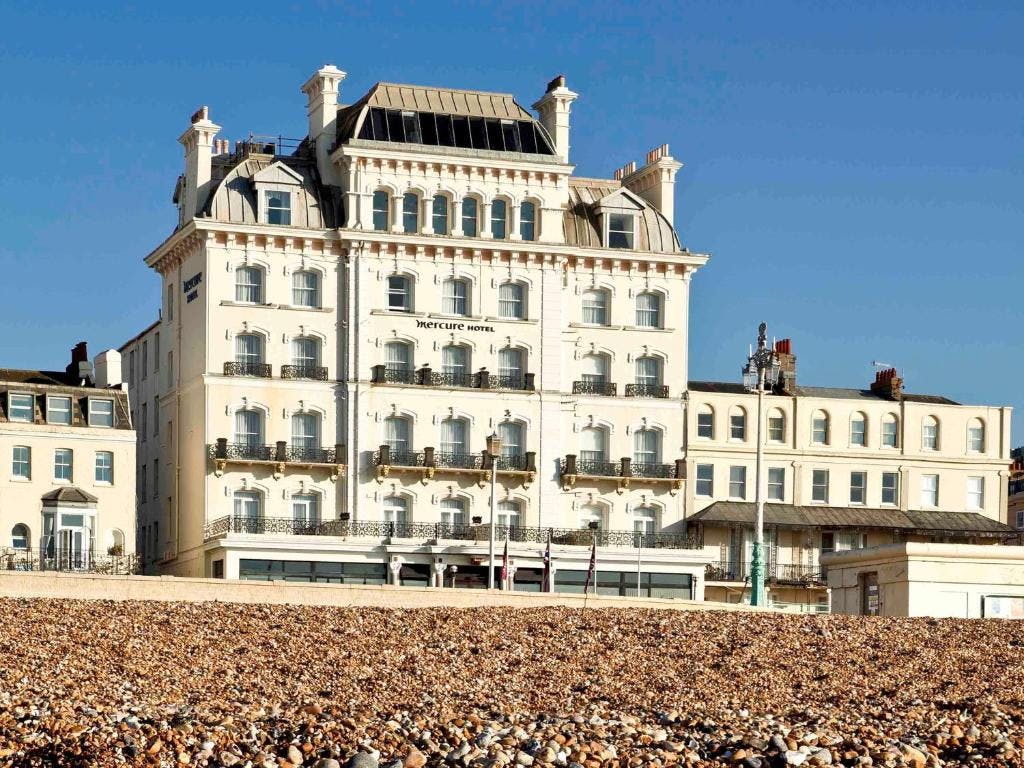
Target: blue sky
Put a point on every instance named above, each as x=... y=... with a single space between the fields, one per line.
x=855 y=169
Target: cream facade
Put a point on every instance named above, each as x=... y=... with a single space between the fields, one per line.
x=67 y=484
x=345 y=320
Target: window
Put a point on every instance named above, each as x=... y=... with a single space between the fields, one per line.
x=381 y=210
x=594 y=369
x=591 y=513
x=737 y=483
x=453 y=512
x=976 y=436
x=511 y=368
x=104 y=467
x=279 y=208
x=170 y=368
x=890 y=431
x=593 y=446
x=20 y=407
x=454 y=440
x=156 y=416
x=58 y=410
x=305 y=352
x=306 y=289
x=706 y=480
x=859 y=430
x=706 y=422
x=511 y=301
x=890 y=487
x=499 y=219
x=455 y=297
x=858 y=487
x=248 y=427
x=975 y=492
x=131 y=366
x=929 y=490
x=306 y=508
x=145 y=358
x=645 y=520
x=140 y=491
x=62 y=464
x=819 y=485
x=439 y=215
x=170 y=303
x=470 y=214
x=398 y=357
x=248 y=349
x=509 y=514
x=397 y=434
x=776 y=427
x=819 y=428
x=156 y=351
x=144 y=423
x=19 y=536
x=647 y=446
x=648 y=371
x=101 y=412
x=648 y=310
x=595 y=307
x=305 y=431
x=776 y=483
x=527 y=221
x=21 y=464
x=396 y=510
x=399 y=293
x=929 y=434
x=248 y=287
x=738 y=424
x=455 y=364
x=410 y=213
x=511 y=434
x=248 y=505
x=620 y=230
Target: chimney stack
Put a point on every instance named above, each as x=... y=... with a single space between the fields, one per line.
x=554 y=107
x=322 y=108
x=198 y=142
x=888 y=384
x=656 y=181
x=787 y=366
x=80 y=367
x=108 y=369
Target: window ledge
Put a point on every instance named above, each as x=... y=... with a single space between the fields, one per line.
x=524 y=321
x=442 y=316
x=649 y=330
x=396 y=313
x=297 y=308
x=228 y=303
x=595 y=325
x=18 y=479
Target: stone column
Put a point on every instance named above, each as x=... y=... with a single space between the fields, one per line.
x=513 y=221
x=485 y=219
x=456 y=216
x=396 y=213
x=427 y=215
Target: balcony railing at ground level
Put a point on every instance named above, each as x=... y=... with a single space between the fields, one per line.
x=52 y=558
x=375 y=529
x=232 y=368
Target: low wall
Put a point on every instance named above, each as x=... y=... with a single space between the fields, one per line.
x=175 y=589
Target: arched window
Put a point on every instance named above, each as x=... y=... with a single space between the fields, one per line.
x=381 y=211
x=930 y=434
x=527 y=220
x=248 y=427
x=776 y=426
x=455 y=297
x=737 y=423
x=645 y=521
x=512 y=301
x=646 y=447
x=511 y=367
x=453 y=511
x=306 y=289
x=820 y=428
x=499 y=219
x=398 y=361
x=595 y=307
x=249 y=285
x=410 y=213
x=439 y=215
x=512 y=445
x=398 y=435
x=859 y=430
x=20 y=536
x=470 y=217
x=305 y=356
x=594 y=372
x=248 y=507
x=510 y=514
x=306 y=508
x=396 y=509
x=306 y=435
x=454 y=441
x=976 y=436
x=593 y=450
x=399 y=293
x=890 y=431
x=648 y=377
x=591 y=513
x=648 y=310
x=455 y=365
x=249 y=353
x=706 y=422
x=116 y=546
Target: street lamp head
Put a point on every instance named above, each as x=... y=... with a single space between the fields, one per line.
x=494 y=445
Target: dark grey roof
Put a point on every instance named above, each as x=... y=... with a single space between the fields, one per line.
x=838 y=393
x=582 y=225
x=46 y=378
x=69 y=495
x=792 y=516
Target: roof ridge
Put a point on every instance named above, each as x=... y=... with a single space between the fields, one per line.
x=439 y=88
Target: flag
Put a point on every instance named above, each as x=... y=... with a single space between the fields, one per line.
x=548 y=586
x=591 y=571
x=504 y=567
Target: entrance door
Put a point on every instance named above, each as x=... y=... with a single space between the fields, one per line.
x=870 y=597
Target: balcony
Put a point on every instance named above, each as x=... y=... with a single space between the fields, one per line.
x=262 y=370
x=427 y=377
x=311 y=372
x=428 y=463
x=280 y=457
x=623 y=472
x=597 y=388
x=432 y=532
x=781 y=574
x=647 y=390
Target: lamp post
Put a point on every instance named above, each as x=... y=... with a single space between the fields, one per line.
x=762 y=367
x=493 y=450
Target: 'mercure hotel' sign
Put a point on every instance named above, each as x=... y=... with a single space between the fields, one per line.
x=450 y=326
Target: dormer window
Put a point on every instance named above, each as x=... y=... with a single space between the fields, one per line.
x=278 y=207
x=620 y=230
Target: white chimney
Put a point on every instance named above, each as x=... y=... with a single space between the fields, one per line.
x=656 y=181
x=322 y=107
x=108 y=369
x=198 y=143
x=553 y=108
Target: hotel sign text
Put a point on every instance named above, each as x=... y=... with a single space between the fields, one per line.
x=447 y=326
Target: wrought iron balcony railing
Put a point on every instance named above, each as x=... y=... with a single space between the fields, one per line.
x=396 y=375
x=798 y=574
x=461 y=460
x=598 y=467
x=247 y=451
x=624 y=470
x=232 y=368
x=314 y=372
x=427 y=377
x=310 y=455
x=281 y=454
x=600 y=388
x=644 y=469
x=443 y=379
x=51 y=557
x=646 y=390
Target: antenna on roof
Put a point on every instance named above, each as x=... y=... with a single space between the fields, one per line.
x=880 y=366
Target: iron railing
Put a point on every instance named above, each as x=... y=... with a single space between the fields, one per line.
x=646 y=390
x=458 y=460
x=399 y=376
x=572 y=465
x=443 y=379
x=379 y=529
x=232 y=368
x=515 y=382
x=652 y=470
x=425 y=376
x=314 y=372
x=400 y=458
x=601 y=388
x=52 y=558
x=516 y=463
x=600 y=468
x=725 y=571
x=245 y=452
x=787 y=573
x=309 y=455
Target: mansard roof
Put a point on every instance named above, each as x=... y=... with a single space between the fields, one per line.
x=582 y=222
